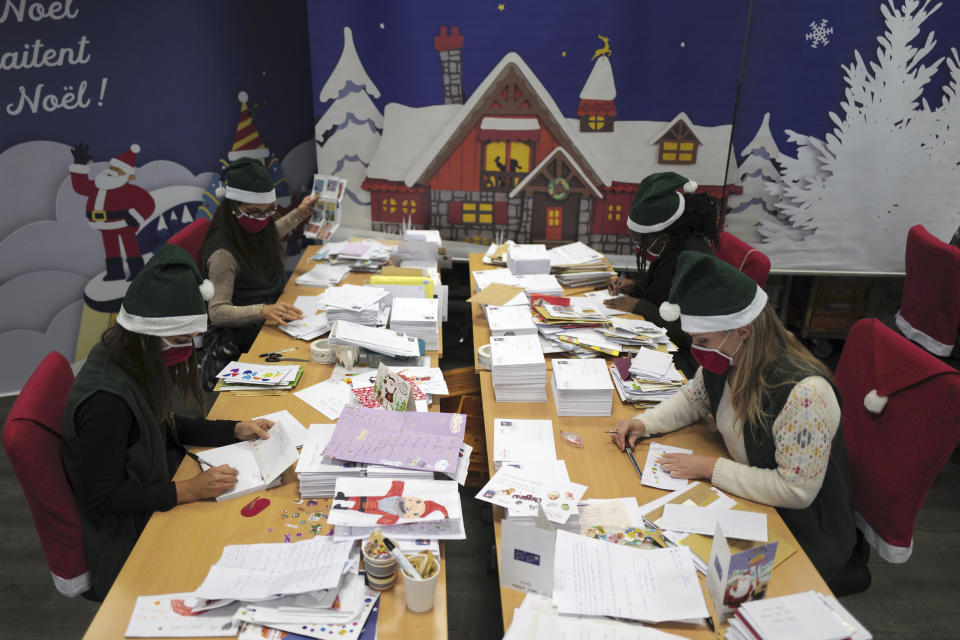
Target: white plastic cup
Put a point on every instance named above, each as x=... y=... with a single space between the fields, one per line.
x=419 y=592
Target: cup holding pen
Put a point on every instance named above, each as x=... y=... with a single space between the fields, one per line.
x=420 y=589
x=379 y=563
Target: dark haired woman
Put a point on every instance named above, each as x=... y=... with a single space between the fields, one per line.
x=242 y=254
x=662 y=223
x=121 y=442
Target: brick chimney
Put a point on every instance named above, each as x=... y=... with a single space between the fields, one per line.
x=448 y=45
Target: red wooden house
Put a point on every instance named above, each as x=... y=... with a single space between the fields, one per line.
x=508 y=160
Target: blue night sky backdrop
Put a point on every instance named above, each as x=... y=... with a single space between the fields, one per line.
x=682 y=55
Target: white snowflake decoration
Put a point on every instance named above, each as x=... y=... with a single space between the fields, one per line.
x=818 y=33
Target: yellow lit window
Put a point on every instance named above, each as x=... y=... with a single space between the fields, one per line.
x=686 y=146
x=389 y=205
x=596 y=122
x=409 y=207
x=613 y=212
x=474 y=212
x=669 y=146
x=685 y=157
x=668 y=157
x=553 y=218
x=510 y=156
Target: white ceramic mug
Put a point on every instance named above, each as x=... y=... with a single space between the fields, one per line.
x=346 y=355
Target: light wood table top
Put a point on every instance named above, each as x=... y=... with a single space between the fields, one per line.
x=608 y=473
x=178 y=547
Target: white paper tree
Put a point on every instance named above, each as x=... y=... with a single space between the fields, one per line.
x=887 y=164
x=761 y=182
x=348 y=133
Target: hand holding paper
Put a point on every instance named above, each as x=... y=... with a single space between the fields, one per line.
x=688 y=466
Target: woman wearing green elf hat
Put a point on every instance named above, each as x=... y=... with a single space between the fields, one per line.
x=666 y=217
x=775 y=406
x=242 y=253
x=121 y=441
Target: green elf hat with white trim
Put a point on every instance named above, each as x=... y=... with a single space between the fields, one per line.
x=248 y=181
x=707 y=295
x=658 y=202
x=168 y=297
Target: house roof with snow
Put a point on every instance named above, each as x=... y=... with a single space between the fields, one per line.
x=629 y=152
x=474 y=108
x=407 y=131
x=536 y=171
x=600 y=84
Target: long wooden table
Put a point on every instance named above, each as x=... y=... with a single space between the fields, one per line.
x=608 y=473
x=178 y=547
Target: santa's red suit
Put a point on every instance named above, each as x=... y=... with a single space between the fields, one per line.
x=117 y=213
x=386 y=505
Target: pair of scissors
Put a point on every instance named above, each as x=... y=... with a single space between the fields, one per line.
x=276 y=357
x=277 y=352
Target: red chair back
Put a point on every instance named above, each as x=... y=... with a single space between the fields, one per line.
x=191 y=237
x=738 y=253
x=930 y=309
x=895 y=454
x=31 y=437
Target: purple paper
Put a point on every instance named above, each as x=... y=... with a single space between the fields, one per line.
x=410 y=439
x=354 y=249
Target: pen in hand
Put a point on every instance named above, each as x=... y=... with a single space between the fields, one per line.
x=198 y=459
x=638 y=434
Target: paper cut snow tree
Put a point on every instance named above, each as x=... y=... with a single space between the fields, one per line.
x=884 y=167
x=348 y=133
x=760 y=179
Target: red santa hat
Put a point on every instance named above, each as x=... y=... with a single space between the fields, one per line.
x=127 y=160
x=247 y=142
x=429 y=506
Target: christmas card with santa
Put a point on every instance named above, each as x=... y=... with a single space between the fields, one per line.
x=733 y=579
x=384 y=502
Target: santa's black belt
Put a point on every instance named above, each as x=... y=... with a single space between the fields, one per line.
x=99 y=215
x=363 y=503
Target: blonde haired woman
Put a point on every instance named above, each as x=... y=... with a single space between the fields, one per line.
x=774 y=403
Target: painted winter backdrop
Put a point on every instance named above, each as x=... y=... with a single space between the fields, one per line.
x=63 y=257
x=892 y=161
x=842 y=201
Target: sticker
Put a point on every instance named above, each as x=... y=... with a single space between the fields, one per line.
x=254 y=507
x=526 y=556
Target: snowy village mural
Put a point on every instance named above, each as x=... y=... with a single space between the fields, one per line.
x=505 y=155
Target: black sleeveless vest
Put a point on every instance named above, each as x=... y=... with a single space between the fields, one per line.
x=826 y=529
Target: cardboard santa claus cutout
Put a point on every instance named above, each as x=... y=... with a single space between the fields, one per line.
x=115 y=207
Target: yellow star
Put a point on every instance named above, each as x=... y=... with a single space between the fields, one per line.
x=501 y=7
x=563 y=54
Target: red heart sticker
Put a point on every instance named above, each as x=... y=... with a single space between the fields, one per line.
x=254 y=507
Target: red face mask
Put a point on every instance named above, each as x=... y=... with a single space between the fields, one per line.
x=253 y=225
x=175 y=353
x=713 y=360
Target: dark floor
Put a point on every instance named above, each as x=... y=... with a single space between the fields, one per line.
x=912 y=600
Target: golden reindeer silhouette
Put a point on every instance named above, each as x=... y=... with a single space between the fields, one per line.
x=603 y=51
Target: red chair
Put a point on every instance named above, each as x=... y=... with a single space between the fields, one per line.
x=191 y=237
x=901 y=418
x=739 y=254
x=930 y=309
x=31 y=437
